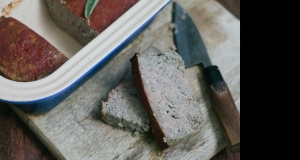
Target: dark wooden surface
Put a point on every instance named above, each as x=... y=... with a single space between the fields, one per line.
x=234 y=6
x=17 y=141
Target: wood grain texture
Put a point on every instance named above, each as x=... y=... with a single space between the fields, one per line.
x=234 y=6
x=228 y=114
x=226 y=154
x=17 y=141
x=147 y=139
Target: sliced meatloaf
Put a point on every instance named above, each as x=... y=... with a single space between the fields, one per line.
x=24 y=55
x=69 y=15
x=124 y=110
x=166 y=94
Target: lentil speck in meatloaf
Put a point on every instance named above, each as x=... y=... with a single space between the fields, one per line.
x=69 y=15
x=166 y=95
x=24 y=55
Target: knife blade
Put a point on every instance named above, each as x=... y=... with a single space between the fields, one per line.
x=191 y=47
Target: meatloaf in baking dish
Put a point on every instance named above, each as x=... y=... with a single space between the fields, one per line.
x=69 y=15
x=25 y=55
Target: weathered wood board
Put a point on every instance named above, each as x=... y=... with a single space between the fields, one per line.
x=73 y=130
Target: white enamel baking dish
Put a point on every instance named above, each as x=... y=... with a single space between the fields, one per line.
x=43 y=95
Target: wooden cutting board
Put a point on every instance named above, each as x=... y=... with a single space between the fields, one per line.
x=73 y=130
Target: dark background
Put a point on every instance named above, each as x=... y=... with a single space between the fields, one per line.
x=17 y=141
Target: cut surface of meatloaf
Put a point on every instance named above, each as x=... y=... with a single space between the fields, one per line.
x=123 y=108
x=69 y=15
x=166 y=94
x=24 y=55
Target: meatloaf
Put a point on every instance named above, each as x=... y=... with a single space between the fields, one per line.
x=123 y=108
x=69 y=15
x=166 y=95
x=24 y=55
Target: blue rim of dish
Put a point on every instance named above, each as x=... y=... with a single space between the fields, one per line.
x=72 y=87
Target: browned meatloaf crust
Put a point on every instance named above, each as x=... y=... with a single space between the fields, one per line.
x=69 y=15
x=24 y=55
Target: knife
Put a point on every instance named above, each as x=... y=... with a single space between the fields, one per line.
x=191 y=47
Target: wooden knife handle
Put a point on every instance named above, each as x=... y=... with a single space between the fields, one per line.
x=224 y=106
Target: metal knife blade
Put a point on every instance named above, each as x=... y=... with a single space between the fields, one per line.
x=188 y=40
x=191 y=47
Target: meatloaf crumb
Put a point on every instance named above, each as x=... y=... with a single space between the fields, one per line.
x=123 y=108
x=166 y=95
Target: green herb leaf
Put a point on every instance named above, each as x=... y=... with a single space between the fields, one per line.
x=89 y=7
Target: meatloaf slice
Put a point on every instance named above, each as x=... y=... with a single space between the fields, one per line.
x=123 y=108
x=166 y=94
x=69 y=15
x=24 y=55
